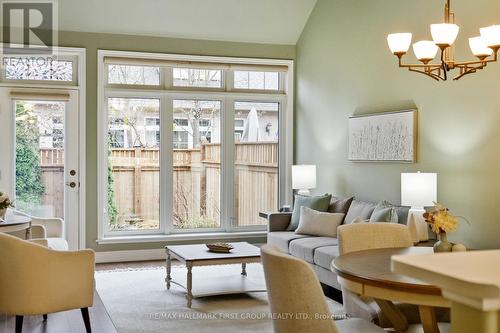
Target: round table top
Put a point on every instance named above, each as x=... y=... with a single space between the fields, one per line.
x=373 y=267
x=14 y=220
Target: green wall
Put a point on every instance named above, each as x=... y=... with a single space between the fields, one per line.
x=344 y=67
x=92 y=42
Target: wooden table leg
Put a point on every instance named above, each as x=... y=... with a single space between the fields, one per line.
x=428 y=319
x=189 y=286
x=168 y=278
x=395 y=316
x=28 y=232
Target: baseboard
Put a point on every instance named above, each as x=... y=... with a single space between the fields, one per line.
x=129 y=255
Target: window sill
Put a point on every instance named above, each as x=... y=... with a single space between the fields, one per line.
x=181 y=237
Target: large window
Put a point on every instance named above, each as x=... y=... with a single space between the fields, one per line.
x=198 y=149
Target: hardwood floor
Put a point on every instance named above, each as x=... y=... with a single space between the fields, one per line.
x=63 y=322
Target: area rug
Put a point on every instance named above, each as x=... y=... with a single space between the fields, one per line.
x=138 y=301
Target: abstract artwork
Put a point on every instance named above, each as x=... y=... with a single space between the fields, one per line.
x=383 y=137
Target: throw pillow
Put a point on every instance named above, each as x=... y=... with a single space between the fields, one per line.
x=359 y=220
x=338 y=205
x=316 y=223
x=359 y=209
x=384 y=212
x=319 y=203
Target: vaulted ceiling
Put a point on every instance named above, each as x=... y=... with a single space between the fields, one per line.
x=263 y=21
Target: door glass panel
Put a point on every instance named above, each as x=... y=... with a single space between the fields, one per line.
x=256 y=155
x=133 y=164
x=196 y=158
x=40 y=157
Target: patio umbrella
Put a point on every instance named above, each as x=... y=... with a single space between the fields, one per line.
x=251 y=132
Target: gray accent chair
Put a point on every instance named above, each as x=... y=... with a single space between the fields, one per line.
x=297 y=301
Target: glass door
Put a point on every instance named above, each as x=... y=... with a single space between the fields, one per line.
x=43 y=175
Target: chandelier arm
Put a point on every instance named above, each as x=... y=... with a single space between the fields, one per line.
x=465 y=70
x=428 y=73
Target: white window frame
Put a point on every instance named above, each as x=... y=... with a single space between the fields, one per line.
x=167 y=93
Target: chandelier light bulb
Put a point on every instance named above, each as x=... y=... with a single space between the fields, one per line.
x=491 y=36
x=444 y=34
x=399 y=43
x=479 y=48
x=425 y=50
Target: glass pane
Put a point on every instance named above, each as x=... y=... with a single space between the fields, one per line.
x=141 y=75
x=196 y=138
x=256 y=189
x=190 y=77
x=133 y=164
x=40 y=158
x=38 y=68
x=256 y=80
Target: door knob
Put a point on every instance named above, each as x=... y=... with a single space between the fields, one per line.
x=72 y=172
x=71 y=184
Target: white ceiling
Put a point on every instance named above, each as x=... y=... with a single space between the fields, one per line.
x=264 y=21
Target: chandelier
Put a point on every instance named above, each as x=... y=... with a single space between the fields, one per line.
x=484 y=47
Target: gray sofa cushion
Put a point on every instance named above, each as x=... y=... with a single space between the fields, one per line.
x=324 y=256
x=359 y=209
x=304 y=248
x=281 y=239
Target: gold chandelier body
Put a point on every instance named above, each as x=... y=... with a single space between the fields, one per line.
x=484 y=47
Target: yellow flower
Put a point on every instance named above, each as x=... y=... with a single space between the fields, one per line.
x=444 y=221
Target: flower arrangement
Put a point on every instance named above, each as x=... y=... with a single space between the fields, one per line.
x=441 y=220
x=5 y=201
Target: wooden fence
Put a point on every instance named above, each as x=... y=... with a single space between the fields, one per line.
x=196 y=182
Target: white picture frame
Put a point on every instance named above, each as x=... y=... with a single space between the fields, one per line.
x=384 y=137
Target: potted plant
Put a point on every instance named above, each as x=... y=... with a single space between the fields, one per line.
x=5 y=203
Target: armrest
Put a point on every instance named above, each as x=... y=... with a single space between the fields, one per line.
x=278 y=221
x=38 y=231
x=54 y=227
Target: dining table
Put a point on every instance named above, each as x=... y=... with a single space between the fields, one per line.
x=368 y=273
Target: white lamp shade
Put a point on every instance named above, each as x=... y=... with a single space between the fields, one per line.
x=399 y=43
x=444 y=33
x=425 y=50
x=303 y=177
x=479 y=47
x=418 y=189
x=491 y=35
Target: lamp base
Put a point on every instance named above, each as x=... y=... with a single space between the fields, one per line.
x=304 y=192
x=418 y=226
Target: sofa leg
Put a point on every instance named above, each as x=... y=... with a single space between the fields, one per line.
x=19 y=324
x=86 y=319
x=44 y=317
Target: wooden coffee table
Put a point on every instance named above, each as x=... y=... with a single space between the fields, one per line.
x=198 y=255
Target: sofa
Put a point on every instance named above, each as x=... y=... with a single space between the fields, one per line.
x=319 y=252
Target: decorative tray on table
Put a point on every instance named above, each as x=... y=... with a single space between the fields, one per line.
x=220 y=247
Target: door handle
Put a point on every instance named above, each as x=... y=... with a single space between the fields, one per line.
x=71 y=184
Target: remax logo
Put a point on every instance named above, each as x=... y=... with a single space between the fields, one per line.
x=28 y=27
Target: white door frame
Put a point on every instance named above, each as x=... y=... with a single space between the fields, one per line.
x=78 y=85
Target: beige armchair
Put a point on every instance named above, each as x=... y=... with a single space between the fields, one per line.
x=297 y=301
x=35 y=280
x=45 y=231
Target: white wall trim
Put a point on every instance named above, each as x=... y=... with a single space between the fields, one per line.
x=132 y=255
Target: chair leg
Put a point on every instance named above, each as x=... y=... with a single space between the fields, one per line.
x=44 y=317
x=19 y=324
x=86 y=319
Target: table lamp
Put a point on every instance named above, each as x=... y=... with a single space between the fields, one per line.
x=303 y=178
x=418 y=190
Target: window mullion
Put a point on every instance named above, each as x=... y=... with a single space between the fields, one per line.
x=227 y=165
x=167 y=165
